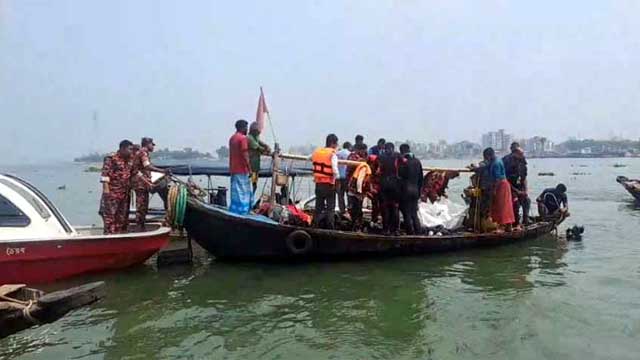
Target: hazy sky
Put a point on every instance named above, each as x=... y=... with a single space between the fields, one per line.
x=184 y=71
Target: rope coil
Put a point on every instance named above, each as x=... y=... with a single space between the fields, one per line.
x=177 y=205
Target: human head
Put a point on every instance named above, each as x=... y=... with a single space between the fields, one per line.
x=381 y=142
x=405 y=149
x=389 y=147
x=488 y=154
x=514 y=146
x=125 y=149
x=561 y=188
x=242 y=126
x=347 y=145
x=147 y=143
x=254 y=128
x=359 y=139
x=332 y=141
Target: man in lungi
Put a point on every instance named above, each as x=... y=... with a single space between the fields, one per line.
x=240 y=170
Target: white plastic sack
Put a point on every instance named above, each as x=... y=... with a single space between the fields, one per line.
x=443 y=212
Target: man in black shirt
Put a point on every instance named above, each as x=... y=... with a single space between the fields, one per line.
x=515 y=165
x=410 y=172
x=553 y=201
x=389 y=189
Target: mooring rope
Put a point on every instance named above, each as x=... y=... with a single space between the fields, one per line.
x=177 y=205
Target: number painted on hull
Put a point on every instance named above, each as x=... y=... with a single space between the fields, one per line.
x=15 y=251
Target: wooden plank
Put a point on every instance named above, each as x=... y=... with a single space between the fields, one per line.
x=10 y=288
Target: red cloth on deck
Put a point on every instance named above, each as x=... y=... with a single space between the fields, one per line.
x=502 y=204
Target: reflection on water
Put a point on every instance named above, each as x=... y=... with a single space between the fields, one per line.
x=363 y=309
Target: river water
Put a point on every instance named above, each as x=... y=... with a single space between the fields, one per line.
x=541 y=299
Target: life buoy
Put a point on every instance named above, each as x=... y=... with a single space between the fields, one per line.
x=299 y=242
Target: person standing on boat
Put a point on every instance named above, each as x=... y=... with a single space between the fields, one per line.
x=360 y=145
x=502 y=202
x=342 y=182
x=357 y=186
x=142 y=183
x=116 y=188
x=410 y=172
x=379 y=148
x=240 y=170
x=515 y=165
x=325 y=174
x=389 y=161
x=257 y=148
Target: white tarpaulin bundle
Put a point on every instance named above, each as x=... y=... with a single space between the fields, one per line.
x=443 y=212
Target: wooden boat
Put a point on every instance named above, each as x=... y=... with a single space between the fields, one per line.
x=37 y=244
x=22 y=307
x=230 y=236
x=631 y=185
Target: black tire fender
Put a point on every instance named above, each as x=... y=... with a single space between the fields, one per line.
x=299 y=242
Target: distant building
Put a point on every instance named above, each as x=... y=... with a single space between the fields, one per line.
x=498 y=140
x=537 y=145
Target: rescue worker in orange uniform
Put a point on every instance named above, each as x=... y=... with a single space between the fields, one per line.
x=325 y=173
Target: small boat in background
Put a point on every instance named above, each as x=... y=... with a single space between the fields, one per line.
x=22 y=307
x=631 y=185
x=37 y=244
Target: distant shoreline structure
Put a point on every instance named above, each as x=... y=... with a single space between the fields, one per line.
x=160 y=155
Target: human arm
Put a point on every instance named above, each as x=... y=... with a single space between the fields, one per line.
x=105 y=176
x=147 y=165
x=264 y=147
x=334 y=166
x=244 y=149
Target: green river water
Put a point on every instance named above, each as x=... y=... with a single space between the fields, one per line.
x=539 y=299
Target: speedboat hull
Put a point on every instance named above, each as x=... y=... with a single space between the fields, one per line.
x=45 y=260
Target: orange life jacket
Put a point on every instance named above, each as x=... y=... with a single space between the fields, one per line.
x=322 y=170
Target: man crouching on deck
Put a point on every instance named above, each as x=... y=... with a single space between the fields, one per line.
x=116 y=185
x=325 y=173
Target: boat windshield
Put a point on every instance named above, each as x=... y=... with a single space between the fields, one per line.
x=32 y=200
x=10 y=215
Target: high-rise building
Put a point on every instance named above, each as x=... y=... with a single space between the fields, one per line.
x=498 y=140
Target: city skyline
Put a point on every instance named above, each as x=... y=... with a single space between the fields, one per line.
x=72 y=82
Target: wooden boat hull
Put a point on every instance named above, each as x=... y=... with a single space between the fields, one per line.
x=631 y=186
x=40 y=261
x=41 y=308
x=225 y=235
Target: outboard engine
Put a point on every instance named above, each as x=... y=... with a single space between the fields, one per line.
x=575 y=233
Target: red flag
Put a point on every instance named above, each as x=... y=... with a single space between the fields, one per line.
x=262 y=111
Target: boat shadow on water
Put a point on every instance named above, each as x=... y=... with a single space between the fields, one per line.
x=376 y=307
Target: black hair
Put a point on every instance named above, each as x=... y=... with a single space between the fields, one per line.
x=359 y=138
x=241 y=124
x=405 y=149
x=381 y=141
x=125 y=143
x=562 y=188
x=389 y=146
x=346 y=145
x=488 y=153
x=332 y=139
